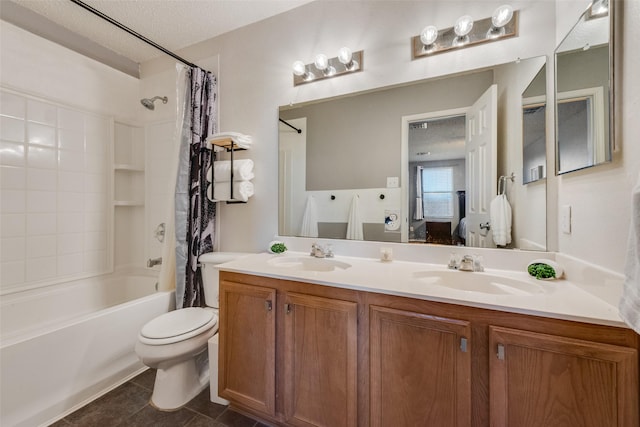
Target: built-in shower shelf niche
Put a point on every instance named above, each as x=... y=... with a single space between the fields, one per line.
x=128 y=165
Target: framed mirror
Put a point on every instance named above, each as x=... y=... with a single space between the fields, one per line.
x=361 y=152
x=583 y=76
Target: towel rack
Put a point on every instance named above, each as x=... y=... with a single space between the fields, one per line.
x=502 y=182
x=230 y=146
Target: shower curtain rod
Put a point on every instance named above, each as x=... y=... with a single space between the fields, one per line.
x=133 y=33
x=291 y=126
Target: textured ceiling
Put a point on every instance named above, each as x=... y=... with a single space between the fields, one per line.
x=173 y=24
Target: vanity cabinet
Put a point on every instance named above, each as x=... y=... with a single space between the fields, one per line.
x=301 y=354
x=547 y=380
x=420 y=369
x=288 y=356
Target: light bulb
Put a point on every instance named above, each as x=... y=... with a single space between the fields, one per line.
x=321 y=62
x=345 y=55
x=299 y=69
x=463 y=26
x=429 y=35
x=502 y=16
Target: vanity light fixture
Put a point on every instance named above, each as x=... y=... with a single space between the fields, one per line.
x=466 y=33
x=324 y=67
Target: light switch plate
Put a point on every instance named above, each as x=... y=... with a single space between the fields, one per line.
x=393 y=182
x=565 y=219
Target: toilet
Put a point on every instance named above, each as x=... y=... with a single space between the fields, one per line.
x=175 y=343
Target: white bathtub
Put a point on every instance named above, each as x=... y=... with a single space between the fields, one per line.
x=63 y=345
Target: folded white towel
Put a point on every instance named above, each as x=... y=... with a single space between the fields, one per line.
x=242 y=170
x=630 y=301
x=354 y=223
x=241 y=140
x=242 y=190
x=500 y=214
x=309 y=219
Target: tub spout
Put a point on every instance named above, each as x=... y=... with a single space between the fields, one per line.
x=154 y=261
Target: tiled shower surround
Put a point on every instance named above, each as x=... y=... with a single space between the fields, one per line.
x=55 y=184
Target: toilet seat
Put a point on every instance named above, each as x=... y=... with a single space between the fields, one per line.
x=178 y=325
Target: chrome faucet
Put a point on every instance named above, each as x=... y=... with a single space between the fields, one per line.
x=154 y=261
x=467 y=263
x=320 y=252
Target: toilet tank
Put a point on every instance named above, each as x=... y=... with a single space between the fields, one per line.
x=210 y=279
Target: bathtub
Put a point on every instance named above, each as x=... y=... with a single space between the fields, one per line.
x=63 y=345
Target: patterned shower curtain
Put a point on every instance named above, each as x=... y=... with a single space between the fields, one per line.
x=195 y=214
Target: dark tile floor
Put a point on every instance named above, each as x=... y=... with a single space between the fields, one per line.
x=128 y=406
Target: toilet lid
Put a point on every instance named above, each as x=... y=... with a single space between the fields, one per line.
x=187 y=321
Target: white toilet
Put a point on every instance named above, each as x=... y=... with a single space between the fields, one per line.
x=175 y=343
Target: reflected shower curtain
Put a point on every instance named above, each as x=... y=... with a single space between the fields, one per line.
x=194 y=213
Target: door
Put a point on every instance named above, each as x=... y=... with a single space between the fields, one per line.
x=546 y=380
x=292 y=176
x=320 y=361
x=420 y=369
x=481 y=155
x=247 y=346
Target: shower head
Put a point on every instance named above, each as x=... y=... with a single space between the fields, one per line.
x=149 y=103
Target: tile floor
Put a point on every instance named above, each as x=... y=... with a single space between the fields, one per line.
x=128 y=406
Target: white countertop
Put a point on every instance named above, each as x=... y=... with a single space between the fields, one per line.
x=558 y=299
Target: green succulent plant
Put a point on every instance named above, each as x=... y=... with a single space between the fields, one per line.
x=278 y=248
x=541 y=271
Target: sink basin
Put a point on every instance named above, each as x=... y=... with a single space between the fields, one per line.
x=484 y=283
x=308 y=263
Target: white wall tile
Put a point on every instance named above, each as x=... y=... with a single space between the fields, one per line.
x=95 y=262
x=12 y=129
x=41 y=223
x=41 y=201
x=70 y=264
x=95 y=221
x=12 y=105
x=95 y=241
x=95 y=202
x=70 y=119
x=96 y=125
x=71 y=181
x=12 y=201
x=70 y=243
x=12 y=273
x=41 y=268
x=41 y=112
x=12 y=178
x=42 y=179
x=95 y=163
x=71 y=140
x=70 y=202
x=40 y=134
x=12 y=154
x=12 y=249
x=71 y=160
x=95 y=183
x=97 y=143
x=70 y=222
x=41 y=246
x=12 y=225
x=40 y=157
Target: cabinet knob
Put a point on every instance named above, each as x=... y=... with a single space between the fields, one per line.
x=287 y=308
x=463 y=345
x=268 y=305
x=500 y=353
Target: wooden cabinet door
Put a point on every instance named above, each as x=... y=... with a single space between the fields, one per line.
x=552 y=381
x=420 y=369
x=320 y=361
x=247 y=345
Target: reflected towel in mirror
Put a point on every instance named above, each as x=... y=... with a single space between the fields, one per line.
x=630 y=301
x=354 y=224
x=310 y=219
x=500 y=214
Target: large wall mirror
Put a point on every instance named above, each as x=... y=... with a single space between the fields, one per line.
x=583 y=87
x=400 y=164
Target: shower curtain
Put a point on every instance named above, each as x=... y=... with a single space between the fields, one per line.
x=194 y=213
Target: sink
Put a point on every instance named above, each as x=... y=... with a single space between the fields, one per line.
x=308 y=263
x=484 y=283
